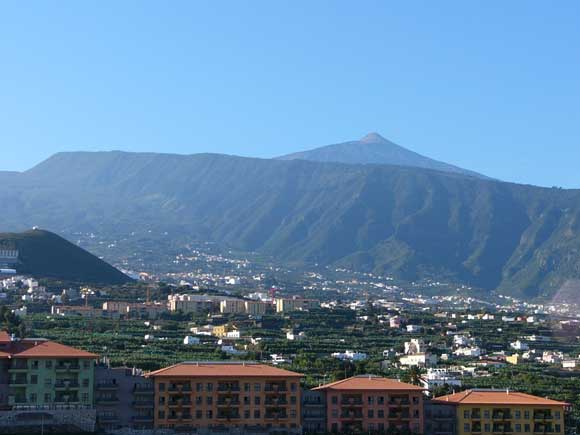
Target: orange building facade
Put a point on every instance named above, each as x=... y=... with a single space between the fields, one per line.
x=249 y=396
x=371 y=403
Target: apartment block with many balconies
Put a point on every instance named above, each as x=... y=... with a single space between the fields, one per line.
x=373 y=404
x=208 y=396
x=496 y=411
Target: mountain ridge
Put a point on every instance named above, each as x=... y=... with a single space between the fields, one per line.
x=375 y=149
x=408 y=222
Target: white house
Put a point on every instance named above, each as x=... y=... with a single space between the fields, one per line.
x=414 y=328
x=520 y=345
x=350 y=356
x=189 y=340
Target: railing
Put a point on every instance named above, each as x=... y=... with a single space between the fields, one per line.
x=107 y=385
x=66 y=384
x=227 y=388
x=351 y=401
x=179 y=388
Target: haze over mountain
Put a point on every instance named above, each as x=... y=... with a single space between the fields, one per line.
x=408 y=222
x=375 y=149
x=43 y=254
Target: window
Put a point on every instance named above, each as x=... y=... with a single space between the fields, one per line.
x=209 y=387
x=33 y=398
x=293 y=387
x=335 y=427
x=526 y=427
x=371 y=427
x=371 y=400
x=162 y=400
x=257 y=413
x=198 y=414
x=85 y=397
x=256 y=400
x=246 y=387
x=48 y=382
x=335 y=413
x=161 y=386
x=487 y=427
x=335 y=400
x=381 y=427
x=466 y=427
x=558 y=428
x=381 y=400
x=527 y=415
x=34 y=379
x=518 y=427
x=48 y=364
x=209 y=414
x=486 y=413
x=293 y=400
x=292 y=413
x=161 y=415
x=371 y=413
x=209 y=400
x=518 y=414
x=35 y=365
x=199 y=387
x=246 y=400
x=86 y=364
x=257 y=387
x=466 y=414
x=247 y=414
x=381 y=413
x=47 y=397
x=558 y=415
x=85 y=383
x=198 y=400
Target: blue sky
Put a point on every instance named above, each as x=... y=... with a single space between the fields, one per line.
x=492 y=86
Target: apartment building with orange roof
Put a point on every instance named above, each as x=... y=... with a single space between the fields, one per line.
x=371 y=403
x=226 y=395
x=41 y=375
x=503 y=411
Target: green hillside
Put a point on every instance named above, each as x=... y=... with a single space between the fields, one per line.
x=43 y=254
x=408 y=222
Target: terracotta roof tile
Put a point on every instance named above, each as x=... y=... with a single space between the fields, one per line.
x=38 y=348
x=494 y=397
x=369 y=383
x=194 y=369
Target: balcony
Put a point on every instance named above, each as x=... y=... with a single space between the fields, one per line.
x=107 y=386
x=18 y=365
x=501 y=416
x=108 y=418
x=143 y=419
x=498 y=428
x=228 y=402
x=113 y=400
x=276 y=401
x=399 y=415
x=272 y=415
x=179 y=403
x=269 y=388
x=543 y=416
x=144 y=389
x=143 y=404
x=228 y=387
x=67 y=367
x=18 y=381
x=228 y=414
x=17 y=400
x=353 y=401
x=399 y=401
x=178 y=388
x=350 y=415
x=65 y=384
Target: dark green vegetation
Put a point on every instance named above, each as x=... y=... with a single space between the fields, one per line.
x=375 y=149
x=408 y=222
x=43 y=254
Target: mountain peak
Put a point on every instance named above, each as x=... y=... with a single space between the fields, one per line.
x=373 y=137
